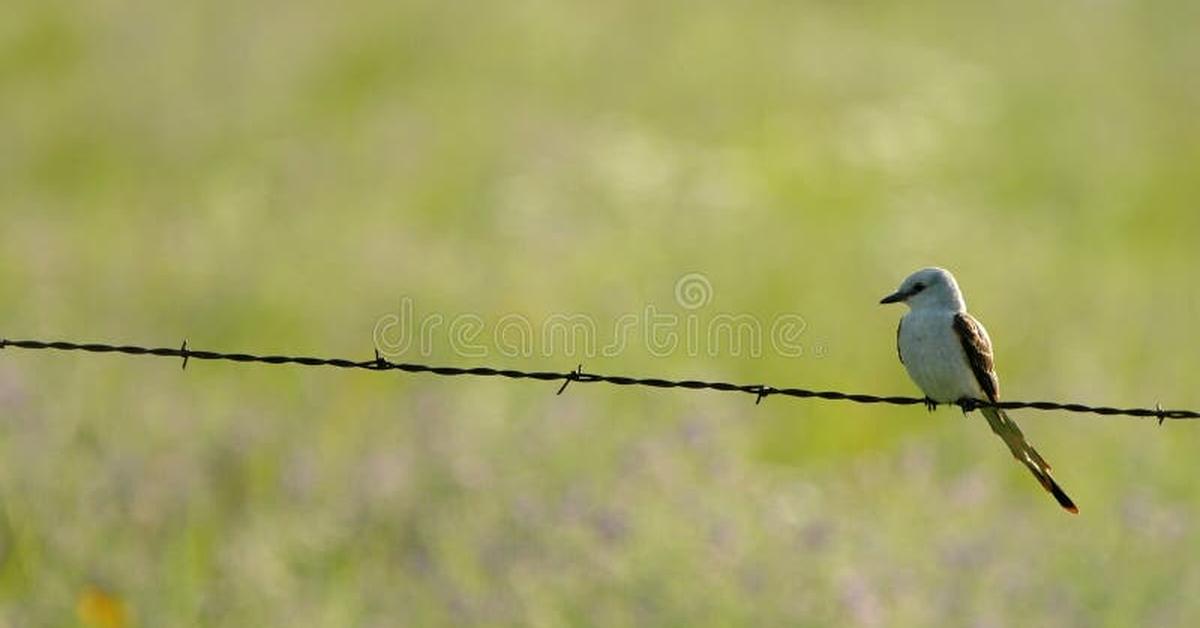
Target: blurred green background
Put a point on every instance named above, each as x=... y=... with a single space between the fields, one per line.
x=278 y=176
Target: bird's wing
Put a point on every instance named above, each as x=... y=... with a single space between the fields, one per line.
x=978 y=349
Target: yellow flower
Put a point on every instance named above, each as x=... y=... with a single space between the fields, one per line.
x=98 y=608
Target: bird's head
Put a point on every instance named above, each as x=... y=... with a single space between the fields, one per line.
x=928 y=288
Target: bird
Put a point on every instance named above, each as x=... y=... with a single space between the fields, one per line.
x=948 y=355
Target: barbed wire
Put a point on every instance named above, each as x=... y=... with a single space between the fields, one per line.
x=760 y=391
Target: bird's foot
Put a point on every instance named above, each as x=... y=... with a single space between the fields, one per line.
x=967 y=404
x=930 y=404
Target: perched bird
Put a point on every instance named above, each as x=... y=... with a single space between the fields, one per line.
x=949 y=356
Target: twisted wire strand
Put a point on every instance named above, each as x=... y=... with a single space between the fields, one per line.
x=760 y=391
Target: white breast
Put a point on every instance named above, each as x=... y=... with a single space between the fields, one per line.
x=934 y=358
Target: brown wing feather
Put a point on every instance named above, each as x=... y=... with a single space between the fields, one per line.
x=979 y=354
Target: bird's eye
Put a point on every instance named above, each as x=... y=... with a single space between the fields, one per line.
x=917 y=287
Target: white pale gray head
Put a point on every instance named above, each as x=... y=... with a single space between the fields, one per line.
x=929 y=288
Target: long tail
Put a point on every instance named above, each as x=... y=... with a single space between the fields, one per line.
x=1008 y=431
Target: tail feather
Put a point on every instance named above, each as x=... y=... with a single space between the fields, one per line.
x=1010 y=433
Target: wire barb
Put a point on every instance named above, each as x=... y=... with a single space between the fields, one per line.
x=183 y=351
x=572 y=376
x=759 y=390
x=381 y=363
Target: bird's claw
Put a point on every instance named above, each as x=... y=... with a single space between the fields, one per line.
x=966 y=404
x=930 y=404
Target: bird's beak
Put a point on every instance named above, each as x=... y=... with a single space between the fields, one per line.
x=894 y=297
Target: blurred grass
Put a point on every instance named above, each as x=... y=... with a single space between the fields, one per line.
x=276 y=176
